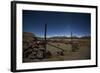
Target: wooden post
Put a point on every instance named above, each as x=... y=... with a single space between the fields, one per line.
x=45 y=39
x=71 y=37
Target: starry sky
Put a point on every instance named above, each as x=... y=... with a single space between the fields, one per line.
x=58 y=23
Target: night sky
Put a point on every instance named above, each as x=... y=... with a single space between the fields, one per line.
x=58 y=23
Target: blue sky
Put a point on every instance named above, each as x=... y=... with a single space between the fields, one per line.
x=58 y=23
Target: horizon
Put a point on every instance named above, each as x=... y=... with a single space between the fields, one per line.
x=67 y=36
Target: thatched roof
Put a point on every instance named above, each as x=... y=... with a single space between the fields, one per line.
x=27 y=36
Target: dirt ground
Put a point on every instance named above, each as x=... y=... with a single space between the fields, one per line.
x=79 y=50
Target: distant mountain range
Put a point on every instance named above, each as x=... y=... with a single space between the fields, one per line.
x=64 y=37
x=31 y=35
